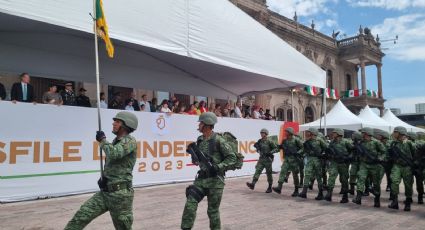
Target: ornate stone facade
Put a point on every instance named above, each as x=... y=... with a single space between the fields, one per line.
x=341 y=59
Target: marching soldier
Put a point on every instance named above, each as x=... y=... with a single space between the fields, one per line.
x=372 y=153
x=313 y=149
x=116 y=186
x=339 y=152
x=401 y=151
x=417 y=172
x=383 y=137
x=292 y=147
x=355 y=163
x=265 y=147
x=209 y=183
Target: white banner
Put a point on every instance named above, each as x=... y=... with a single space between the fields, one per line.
x=48 y=150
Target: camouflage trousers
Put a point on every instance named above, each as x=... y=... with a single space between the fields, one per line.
x=374 y=171
x=399 y=172
x=119 y=204
x=419 y=181
x=214 y=199
x=312 y=169
x=263 y=163
x=336 y=169
x=290 y=164
x=354 y=169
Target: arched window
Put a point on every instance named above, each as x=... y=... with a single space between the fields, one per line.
x=289 y=115
x=309 y=114
x=330 y=80
x=348 y=81
x=280 y=113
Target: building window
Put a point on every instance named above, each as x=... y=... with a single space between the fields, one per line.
x=330 y=80
x=280 y=113
x=348 y=82
x=289 y=115
x=309 y=114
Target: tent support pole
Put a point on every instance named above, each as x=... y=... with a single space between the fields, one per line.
x=325 y=132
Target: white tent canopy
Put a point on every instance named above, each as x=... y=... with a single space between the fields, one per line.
x=395 y=121
x=208 y=48
x=372 y=120
x=338 y=117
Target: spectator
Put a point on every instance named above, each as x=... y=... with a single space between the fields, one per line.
x=232 y=113
x=226 y=110
x=261 y=111
x=247 y=112
x=136 y=104
x=202 y=107
x=52 y=96
x=238 y=112
x=68 y=95
x=145 y=102
x=154 y=105
x=116 y=102
x=217 y=110
x=256 y=113
x=212 y=106
x=164 y=107
x=22 y=91
x=176 y=106
x=172 y=101
x=192 y=110
x=2 y=92
x=103 y=103
x=82 y=100
x=267 y=115
x=182 y=109
x=129 y=105
x=142 y=107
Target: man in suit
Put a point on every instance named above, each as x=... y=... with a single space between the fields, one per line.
x=82 y=99
x=22 y=91
x=2 y=92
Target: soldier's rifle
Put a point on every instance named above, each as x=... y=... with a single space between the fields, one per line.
x=204 y=162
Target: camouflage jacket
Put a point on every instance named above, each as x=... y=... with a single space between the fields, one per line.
x=221 y=155
x=266 y=148
x=419 y=156
x=341 y=150
x=374 y=151
x=120 y=159
x=292 y=146
x=405 y=148
x=314 y=147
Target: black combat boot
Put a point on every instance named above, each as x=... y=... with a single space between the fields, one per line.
x=407 y=204
x=358 y=198
x=278 y=189
x=295 y=193
x=251 y=185
x=303 y=193
x=352 y=189
x=269 y=189
x=377 y=202
x=328 y=196
x=320 y=194
x=341 y=191
x=366 y=192
x=344 y=198
x=394 y=202
x=286 y=178
x=388 y=189
x=391 y=197
x=420 y=198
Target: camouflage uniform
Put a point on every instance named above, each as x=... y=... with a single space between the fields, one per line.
x=266 y=148
x=339 y=163
x=209 y=186
x=354 y=168
x=370 y=166
x=417 y=172
x=313 y=151
x=119 y=163
x=292 y=147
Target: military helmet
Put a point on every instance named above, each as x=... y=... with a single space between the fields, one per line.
x=412 y=135
x=338 y=131
x=401 y=130
x=357 y=135
x=290 y=130
x=264 y=131
x=313 y=131
x=208 y=118
x=384 y=134
x=368 y=131
x=129 y=119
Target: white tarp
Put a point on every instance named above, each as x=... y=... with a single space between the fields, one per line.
x=395 y=121
x=53 y=151
x=372 y=120
x=199 y=47
x=338 y=117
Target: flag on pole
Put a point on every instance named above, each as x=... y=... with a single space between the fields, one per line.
x=312 y=90
x=102 y=28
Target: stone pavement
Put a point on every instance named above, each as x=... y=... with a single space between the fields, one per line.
x=160 y=207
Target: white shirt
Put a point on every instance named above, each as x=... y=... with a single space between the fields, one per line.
x=147 y=107
x=165 y=110
x=129 y=107
x=238 y=112
x=256 y=115
x=103 y=104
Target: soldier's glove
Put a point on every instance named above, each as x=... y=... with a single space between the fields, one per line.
x=102 y=182
x=100 y=135
x=214 y=170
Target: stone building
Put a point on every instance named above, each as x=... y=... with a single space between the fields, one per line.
x=343 y=60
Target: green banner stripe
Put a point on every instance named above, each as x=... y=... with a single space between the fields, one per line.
x=48 y=174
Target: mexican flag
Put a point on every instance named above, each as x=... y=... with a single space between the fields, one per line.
x=312 y=90
x=352 y=93
x=333 y=93
x=102 y=28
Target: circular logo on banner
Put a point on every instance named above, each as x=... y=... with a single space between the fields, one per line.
x=160 y=122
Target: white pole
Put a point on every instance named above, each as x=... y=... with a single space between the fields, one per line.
x=97 y=81
x=324 y=112
x=292 y=104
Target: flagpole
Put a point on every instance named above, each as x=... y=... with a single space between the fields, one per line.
x=97 y=81
x=325 y=132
